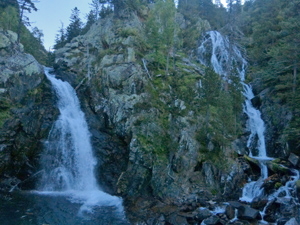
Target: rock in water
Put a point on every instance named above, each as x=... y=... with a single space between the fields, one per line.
x=294 y=159
x=203 y=214
x=247 y=213
x=292 y=221
x=213 y=220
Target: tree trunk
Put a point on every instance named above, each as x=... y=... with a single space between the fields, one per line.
x=20 y=23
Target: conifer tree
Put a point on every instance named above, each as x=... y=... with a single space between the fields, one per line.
x=61 y=38
x=38 y=34
x=75 y=27
x=91 y=19
x=25 y=6
x=118 y=5
x=95 y=8
x=161 y=29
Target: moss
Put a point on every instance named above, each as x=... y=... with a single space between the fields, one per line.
x=214 y=191
x=4 y=115
x=126 y=32
x=278 y=185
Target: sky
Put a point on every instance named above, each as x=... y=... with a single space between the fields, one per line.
x=51 y=13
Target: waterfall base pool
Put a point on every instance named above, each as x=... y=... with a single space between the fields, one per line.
x=26 y=208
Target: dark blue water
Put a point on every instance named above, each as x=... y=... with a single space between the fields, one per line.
x=25 y=208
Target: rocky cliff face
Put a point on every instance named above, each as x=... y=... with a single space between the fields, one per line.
x=26 y=113
x=146 y=125
x=277 y=117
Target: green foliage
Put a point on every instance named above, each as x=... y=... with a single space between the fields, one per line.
x=204 y=9
x=75 y=27
x=9 y=18
x=161 y=31
x=91 y=19
x=32 y=41
x=60 y=38
x=126 y=32
x=274 y=30
x=4 y=110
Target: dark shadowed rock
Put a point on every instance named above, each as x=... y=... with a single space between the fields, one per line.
x=235 y=204
x=176 y=220
x=256 y=102
x=282 y=221
x=202 y=214
x=213 y=220
x=271 y=211
x=259 y=203
x=247 y=213
x=230 y=212
x=240 y=222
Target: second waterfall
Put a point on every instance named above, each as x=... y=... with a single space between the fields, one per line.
x=222 y=55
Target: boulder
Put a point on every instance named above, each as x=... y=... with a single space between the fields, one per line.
x=282 y=221
x=292 y=221
x=259 y=203
x=247 y=213
x=213 y=220
x=202 y=214
x=176 y=220
x=235 y=204
x=294 y=159
x=230 y=212
x=277 y=168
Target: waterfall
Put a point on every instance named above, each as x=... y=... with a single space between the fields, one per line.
x=218 y=52
x=68 y=159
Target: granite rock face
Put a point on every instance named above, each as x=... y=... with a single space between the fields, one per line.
x=26 y=112
x=153 y=150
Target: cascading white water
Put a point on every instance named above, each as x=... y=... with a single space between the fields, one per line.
x=216 y=51
x=222 y=55
x=68 y=159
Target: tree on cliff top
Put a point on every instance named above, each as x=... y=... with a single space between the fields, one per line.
x=118 y=5
x=75 y=27
x=25 y=5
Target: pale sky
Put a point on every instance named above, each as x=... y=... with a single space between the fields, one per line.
x=51 y=13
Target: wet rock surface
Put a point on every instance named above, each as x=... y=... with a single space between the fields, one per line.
x=27 y=113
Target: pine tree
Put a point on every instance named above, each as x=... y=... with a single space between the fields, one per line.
x=38 y=34
x=96 y=7
x=118 y=5
x=25 y=6
x=61 y=38
x=91 y=19
x=75 y=27
x=161 y=29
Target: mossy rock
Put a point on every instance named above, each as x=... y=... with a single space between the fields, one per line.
x=251 y=160
x=277 y=168
x=278 y=185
